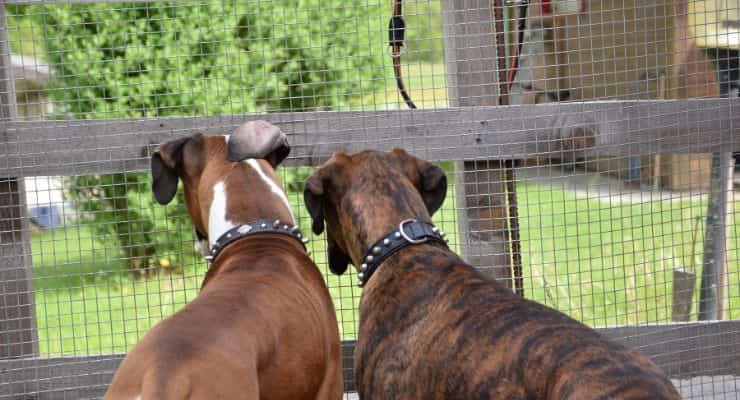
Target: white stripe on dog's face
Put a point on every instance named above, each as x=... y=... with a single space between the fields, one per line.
x=217 y=222
x=272 y=185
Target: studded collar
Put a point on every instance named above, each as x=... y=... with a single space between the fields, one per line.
x=409 y=232
x=254 y=227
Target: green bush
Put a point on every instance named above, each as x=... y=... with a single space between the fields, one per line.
x=157 y=59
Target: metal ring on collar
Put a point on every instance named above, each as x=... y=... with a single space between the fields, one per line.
x=405 y=236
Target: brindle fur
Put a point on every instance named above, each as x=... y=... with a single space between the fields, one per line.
x=263 y=325
x=432 y=327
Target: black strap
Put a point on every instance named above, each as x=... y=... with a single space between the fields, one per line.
x=396 y=33
x=254 y=227
x=521 y=26
x=409 y=232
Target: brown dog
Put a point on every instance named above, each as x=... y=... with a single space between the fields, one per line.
x=263 y=325
x=431 y=326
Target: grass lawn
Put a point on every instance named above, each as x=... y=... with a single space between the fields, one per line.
x=607 y=263
x=602 y=263
x=426 y=83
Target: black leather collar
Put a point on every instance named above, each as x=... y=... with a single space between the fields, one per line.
x=409 y=232
x=251 y=228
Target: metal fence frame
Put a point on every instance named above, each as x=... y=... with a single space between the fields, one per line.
x=586 y=129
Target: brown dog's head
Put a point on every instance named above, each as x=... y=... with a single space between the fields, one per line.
x=362 y=196
x=226 y=179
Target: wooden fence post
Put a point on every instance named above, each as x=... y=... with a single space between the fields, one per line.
x=713 y=297
x=18 y=336
x=470 y=53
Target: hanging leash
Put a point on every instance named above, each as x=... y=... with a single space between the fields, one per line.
x=521 y=26
x=396 y=32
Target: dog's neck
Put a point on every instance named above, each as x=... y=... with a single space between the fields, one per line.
x=246 y=194
x=242 y=254
x=373 y=219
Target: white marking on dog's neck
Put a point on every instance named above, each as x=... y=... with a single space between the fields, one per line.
x=272 y=185
x=217 y=222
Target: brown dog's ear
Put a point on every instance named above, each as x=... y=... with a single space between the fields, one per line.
x=433 y=186
x=313 y=197
x=258 y=139
x=165 y=164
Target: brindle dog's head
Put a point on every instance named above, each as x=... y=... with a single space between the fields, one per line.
x=363 y=196
x=221 y=190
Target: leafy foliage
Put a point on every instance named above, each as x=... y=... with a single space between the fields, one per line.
x=157 y=59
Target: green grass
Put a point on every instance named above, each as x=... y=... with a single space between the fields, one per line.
x=600 y=262
x=426 y=84
x=606 y=263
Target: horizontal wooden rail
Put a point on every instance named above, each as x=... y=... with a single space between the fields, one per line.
x=564 y=130
x=683 y=350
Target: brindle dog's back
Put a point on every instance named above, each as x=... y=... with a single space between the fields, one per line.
x=459 y=335
x=431 y=327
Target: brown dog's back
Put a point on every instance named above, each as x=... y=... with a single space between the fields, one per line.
x=263 y=325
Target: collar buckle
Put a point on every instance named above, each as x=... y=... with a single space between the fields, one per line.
x=406 y=236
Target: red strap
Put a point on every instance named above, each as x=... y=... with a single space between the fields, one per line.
x=546 y=7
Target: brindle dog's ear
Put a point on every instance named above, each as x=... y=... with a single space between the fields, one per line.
x=165 y=164
x=313 y=197
x=338 y=259
x=432 y=180
x=258 y=139
x=433 y=186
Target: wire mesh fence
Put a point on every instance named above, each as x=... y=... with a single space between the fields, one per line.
x=589 y=146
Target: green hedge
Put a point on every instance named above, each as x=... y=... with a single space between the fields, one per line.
x=198 y=58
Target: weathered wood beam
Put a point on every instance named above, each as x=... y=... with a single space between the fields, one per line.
x=592 y=129
x=682 y=350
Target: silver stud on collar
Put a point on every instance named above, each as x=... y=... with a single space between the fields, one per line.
x=369 y=258
x=285 y=227
x=376 y=250
x=209 y=258
x=299 y=236
x=359 y=283
x=435 y=229
x=386 y=241
x=244 y=229
x=361 y=275
x=397 y=235
x=295 y=229
x=264 y=225
x=228 y=235
x=363 y=267
x=276 y=223
x=304 y=240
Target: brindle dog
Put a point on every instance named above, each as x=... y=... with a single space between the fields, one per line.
x=431 y=326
